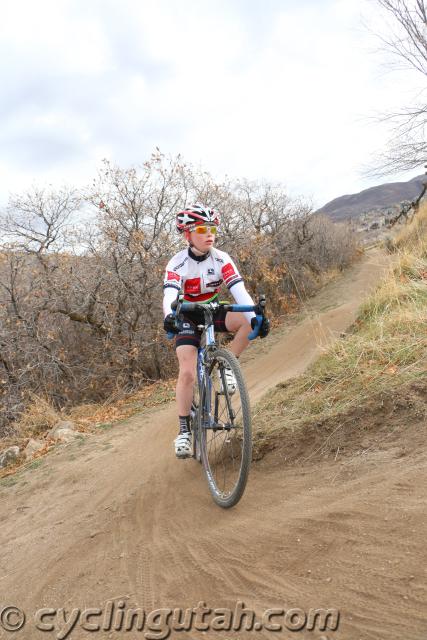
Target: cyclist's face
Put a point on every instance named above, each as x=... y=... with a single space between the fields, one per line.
x=203 y=241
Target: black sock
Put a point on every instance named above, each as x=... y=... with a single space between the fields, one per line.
x=184 y=424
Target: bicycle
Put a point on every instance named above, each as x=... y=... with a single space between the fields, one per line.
x=220 y=421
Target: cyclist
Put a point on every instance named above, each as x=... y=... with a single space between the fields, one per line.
x=199 y=270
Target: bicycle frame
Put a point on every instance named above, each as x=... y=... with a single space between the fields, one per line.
x=216 y=406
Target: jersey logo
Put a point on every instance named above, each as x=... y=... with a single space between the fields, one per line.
x=173 y=276
x=214 y=284
x=192 y=285
x=228 y=271
x=211 y=272
x=178 y=266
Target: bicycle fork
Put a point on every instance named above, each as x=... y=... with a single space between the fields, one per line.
x=214 y=422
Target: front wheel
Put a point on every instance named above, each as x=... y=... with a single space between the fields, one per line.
x=225 y=430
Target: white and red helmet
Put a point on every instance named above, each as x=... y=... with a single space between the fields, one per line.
x=195 y=215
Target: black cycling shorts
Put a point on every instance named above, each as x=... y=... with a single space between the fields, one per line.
x=190 y=334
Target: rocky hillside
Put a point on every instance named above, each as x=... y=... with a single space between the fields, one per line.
x=379 y=199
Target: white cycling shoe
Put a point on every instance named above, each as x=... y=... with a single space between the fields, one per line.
x=183 y=445
x=230 y=381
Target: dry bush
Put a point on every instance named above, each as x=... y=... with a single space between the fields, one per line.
x=81 y=275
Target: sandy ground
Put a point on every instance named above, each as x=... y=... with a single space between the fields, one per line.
x=117 y=517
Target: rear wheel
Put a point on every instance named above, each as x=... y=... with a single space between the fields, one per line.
x=225 y=431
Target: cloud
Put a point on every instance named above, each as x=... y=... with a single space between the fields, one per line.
x=277 y=91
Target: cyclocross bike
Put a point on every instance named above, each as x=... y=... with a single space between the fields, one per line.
x=220 y=420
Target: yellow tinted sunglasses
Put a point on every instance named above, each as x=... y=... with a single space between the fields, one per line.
x=203 y=228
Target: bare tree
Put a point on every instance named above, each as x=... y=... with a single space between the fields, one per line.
x=80 y=305
x=407 y=42
x=37 y=222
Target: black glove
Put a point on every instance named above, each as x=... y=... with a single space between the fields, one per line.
x=264 y=328
x=169 y=324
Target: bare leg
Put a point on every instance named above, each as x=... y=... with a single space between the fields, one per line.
x=187 y=358
x=237 y=323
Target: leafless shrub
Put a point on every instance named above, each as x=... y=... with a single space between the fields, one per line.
x=80 y=304
x=406 y=42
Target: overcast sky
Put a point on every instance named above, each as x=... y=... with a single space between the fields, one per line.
x=274 y=89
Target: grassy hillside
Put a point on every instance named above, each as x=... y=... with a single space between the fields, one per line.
x=373 y=377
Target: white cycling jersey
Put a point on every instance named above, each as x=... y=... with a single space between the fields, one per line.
x=201 y=277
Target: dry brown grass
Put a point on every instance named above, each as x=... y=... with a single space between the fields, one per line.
x=414 y=234
x=39 y=417
x=385 y=351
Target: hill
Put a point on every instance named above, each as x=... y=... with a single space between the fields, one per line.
x=379 y=198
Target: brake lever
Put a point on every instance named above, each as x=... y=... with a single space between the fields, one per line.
x=259 y=314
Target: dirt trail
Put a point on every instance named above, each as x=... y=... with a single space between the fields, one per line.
x=119 y=517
